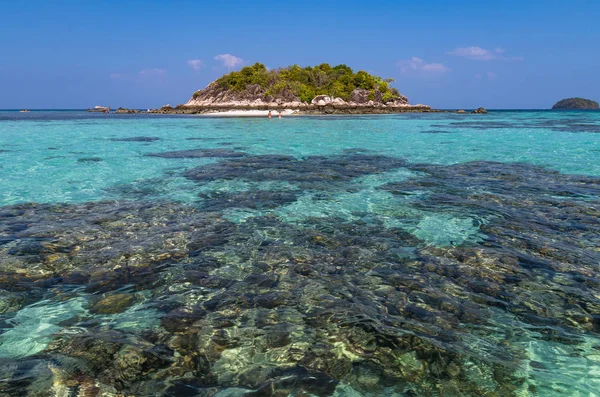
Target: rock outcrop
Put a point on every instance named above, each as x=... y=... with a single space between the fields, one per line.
x=214 y=95
x=479 y=111
x=99 y=109
x=217 y=98
x=323 y=100
x=576 y=103
x=127 y=111
x=359 y=96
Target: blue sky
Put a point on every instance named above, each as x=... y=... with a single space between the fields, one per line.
x=448 y=54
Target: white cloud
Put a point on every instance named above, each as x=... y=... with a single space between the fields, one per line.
x=417 y=64
x=229 y=61
x=195 y=64
x=152 y=73
x=482 y=54
x=434 y=67
x=476 y=53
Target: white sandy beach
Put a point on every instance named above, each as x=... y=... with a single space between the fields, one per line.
x=251 y=113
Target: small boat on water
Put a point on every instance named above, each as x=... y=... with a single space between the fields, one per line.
x=24 y=111
x=100 y=109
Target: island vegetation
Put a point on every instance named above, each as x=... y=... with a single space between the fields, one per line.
x=576 y=103
x=324 y=89
x=308 y=82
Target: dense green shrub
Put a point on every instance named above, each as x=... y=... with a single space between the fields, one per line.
x=255 y=74
x=387 y=96
x=308 y=82
x=306 y=93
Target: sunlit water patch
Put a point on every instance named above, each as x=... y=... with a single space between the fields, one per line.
x=33 y=327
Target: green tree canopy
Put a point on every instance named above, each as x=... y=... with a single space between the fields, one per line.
x=308 y=82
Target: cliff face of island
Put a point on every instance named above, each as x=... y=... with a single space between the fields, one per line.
x=576 y=103
x=319 y=89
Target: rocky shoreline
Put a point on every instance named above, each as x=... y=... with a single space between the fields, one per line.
x=250 y=102
x=122 y=110
x=299 y=110
x=239 y=110
x=216 y=99
x=312 y=109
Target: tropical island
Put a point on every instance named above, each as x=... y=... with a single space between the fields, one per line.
x=321 y=89
x=576 y=103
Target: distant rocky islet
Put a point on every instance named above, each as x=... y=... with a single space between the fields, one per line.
x=576 y=103
x=322 y=90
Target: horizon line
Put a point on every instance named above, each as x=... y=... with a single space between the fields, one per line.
x=144 y=108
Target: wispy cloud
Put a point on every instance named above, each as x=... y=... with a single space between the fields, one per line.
x=229 y=61
x=418 y=64
x=486 y=75
x=152 y=73
x=476 y=53
x=483 y=54
x=195 y=64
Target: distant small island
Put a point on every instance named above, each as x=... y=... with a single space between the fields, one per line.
x=321 y=89
x=576 y=103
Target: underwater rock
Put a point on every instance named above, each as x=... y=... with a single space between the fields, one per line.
x=111 y=304
x=526 y=216
x=136 y=139
x=30 y=377
x=105 y=362
x=89 y=240
x=436 y=132
x=11 y=301
x=90 y=160
x=320 y=306
x=180 y=319
x=198 y=153
x=254 y=199
x=313 y=169
x=294 y=381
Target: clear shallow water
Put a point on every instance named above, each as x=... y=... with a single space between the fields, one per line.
x=49 y=157
x=418 y=254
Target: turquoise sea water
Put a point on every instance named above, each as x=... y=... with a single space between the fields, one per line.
x=400 y=255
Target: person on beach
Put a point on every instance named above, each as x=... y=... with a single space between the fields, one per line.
x=269 y=114
x=280 y=114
